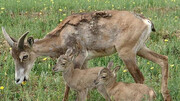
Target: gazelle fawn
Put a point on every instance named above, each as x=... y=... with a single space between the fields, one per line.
x=80 y=80
x=120 y=91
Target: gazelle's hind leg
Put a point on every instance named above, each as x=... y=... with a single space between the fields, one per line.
x=163 y=62
x=129 y=58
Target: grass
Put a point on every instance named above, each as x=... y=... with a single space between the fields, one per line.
x=41 y=16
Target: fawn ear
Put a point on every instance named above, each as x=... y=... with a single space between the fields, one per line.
x=110 y=64
x=69 y=52
x=30 y=41
x=115 y=70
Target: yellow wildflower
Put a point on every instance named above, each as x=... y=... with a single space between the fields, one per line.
x=64 y=14
x=166 y=40
x=125 y=70
x=172 y=65
x=2 y=8
x=176 y=17
x=152 y=68
x=60 y=10
x=44 y=59
x=23 y=83
x=5 y=73
x=148 y=63
x=1 y=87
x=10 y=48
x=134 y=3
x=60 y=20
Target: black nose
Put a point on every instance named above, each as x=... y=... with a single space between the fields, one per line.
x=17 y=80
x=95 y=82
x=25 y=79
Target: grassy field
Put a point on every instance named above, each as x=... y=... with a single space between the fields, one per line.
x=41 y=16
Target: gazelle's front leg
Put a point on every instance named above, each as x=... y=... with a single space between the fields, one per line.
x=163 y=62
x=80 y=60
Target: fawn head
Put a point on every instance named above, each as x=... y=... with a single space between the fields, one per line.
x=64 y=61
x=106 y=75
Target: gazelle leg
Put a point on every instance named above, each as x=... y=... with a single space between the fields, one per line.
x=80 y=60
x=66 y=94
x=129 y=58
x=163 y=62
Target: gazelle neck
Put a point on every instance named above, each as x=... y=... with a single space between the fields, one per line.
x=48 y=47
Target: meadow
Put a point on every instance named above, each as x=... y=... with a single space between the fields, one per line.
x=41 y=16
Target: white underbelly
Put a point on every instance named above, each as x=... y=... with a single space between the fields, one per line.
x=94 y=53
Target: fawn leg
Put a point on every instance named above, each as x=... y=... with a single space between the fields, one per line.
x=66 y=93
x=163 y=62
x=82 y=95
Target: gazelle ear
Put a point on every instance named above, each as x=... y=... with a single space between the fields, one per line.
x=30 y=41
x=110 y=64
x=115 y=70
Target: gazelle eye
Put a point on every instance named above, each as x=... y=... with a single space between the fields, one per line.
x=103 y=77
x=63 y=64
x=25 y=57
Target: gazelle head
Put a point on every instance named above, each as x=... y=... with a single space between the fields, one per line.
x=22 y=54
x=106 y=75
x=64 y=61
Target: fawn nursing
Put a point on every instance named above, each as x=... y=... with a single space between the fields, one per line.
x=120 y=91
x=79 y=80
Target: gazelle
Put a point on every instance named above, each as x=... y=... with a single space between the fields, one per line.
x=120 y=91
x=80 y=80
x=99 y=33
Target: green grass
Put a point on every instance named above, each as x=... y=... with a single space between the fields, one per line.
x=41 y=16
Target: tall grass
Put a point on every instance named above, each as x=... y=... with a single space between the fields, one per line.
x=41 y=16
